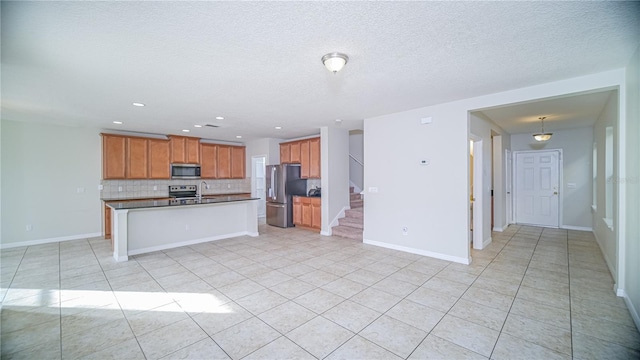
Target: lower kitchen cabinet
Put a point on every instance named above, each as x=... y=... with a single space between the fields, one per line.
x=107 y=222
x=307 y=212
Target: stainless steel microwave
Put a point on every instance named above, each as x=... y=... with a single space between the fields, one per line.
x=185 y=171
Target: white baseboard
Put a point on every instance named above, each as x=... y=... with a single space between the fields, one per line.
x=50 y=240
x=500 y=229
x=326 y=233
x=419 y=252
x=610 y=265
x=632 y=310
x=189 y=242
x=579 y=228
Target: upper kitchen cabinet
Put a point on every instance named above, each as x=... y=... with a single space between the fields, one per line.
x=114 y=156
x=159 y=159
x=208 y=161
x=314 y=158
x=304 y=152
x=285 y=153
x=231 y=162
x=137 y=158
x=238 y=162
x=184 y=150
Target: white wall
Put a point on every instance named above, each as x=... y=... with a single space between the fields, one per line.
x=268 y=146
x=631 y=240
x=42 y=168
x=432 y=201
x=577 y=149
x=334 y=157
x=483 y=127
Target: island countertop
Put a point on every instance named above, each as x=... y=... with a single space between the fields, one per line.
x=207 y=199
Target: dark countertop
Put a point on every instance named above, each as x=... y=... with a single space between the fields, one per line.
x=206 y=196
x=210 y=199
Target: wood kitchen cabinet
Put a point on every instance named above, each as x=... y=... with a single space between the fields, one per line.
x=159 y=159
x=238 y=156
x=184 y=149
x=224 y=162
x=285 y=153
x=107 y=222
x=208 y=161
x=314 y=158
x=307 y=212
x=114 y=156
x=137 y=158
x=304 y=152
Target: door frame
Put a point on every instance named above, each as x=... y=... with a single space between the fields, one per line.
x=514 y=155
x=254 y=192
x=478 y=193
x=509 y=176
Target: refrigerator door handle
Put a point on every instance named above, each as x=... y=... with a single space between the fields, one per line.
x=274 y=190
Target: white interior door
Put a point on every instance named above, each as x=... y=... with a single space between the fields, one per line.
x=537 y=180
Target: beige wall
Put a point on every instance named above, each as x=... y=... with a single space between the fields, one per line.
x=43 y=166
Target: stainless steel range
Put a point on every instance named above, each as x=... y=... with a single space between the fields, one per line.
x=183 y=194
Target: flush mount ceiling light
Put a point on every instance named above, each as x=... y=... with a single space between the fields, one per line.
x=334 y=62
x=219 y=118
x=118 y=122
x=198 y=126
x=542 y=136
x=278 y=127
x=238 y=136
x=185 y=130
x=137 y=104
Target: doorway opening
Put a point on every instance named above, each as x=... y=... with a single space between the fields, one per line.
x=258 y=185
x=476 y=198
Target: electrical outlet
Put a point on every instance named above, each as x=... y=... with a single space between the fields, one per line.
x=155 y=187
x=100 y=187
x=80 y=190
x=119 y=188
x=29 y=227
x=228 y=186
x=207 y=186
x=405 y=231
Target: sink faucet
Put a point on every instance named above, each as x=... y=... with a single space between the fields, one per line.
x=200 y=189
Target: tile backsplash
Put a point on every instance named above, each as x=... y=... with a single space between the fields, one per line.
x=132 y=189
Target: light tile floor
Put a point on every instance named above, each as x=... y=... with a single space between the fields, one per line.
x=534 y=293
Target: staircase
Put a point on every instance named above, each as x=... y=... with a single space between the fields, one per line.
x=351 y=225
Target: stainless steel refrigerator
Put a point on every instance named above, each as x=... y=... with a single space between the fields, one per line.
x=283 y=181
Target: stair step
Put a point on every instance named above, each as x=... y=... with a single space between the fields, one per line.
x=351 y=189
x=347 y=232
x=356 y=196
x=352 y=222
x=357 y=204
x=354 y=213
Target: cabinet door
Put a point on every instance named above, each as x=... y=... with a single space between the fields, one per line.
x=107 y=222
x=208 y=161
x=295 y=152
x=224 y=162
x=285 y=153
x=314 y=158
x=304 y=159
x=192 y=151
x=297 y=211
x=137 y=158
x=159 y=159
x=237 y=162
x=113 y=157
x=306 y=212
x=316 y=213
x=178 y=149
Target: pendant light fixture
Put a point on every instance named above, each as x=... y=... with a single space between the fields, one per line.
x=334 y=62
x=542 y=136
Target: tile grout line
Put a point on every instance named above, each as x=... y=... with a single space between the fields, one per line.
x=570 y=302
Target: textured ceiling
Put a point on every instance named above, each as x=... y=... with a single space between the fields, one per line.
x=258 y=63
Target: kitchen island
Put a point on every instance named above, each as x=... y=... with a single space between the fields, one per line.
x=151 y=225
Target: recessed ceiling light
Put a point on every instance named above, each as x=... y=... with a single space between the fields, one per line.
x=138 y=104
x=338 y=120
x=219 y=118
x=238 y=136
x=118 y=122
x=185 y=130
x=197 y=125
x=278 y=127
